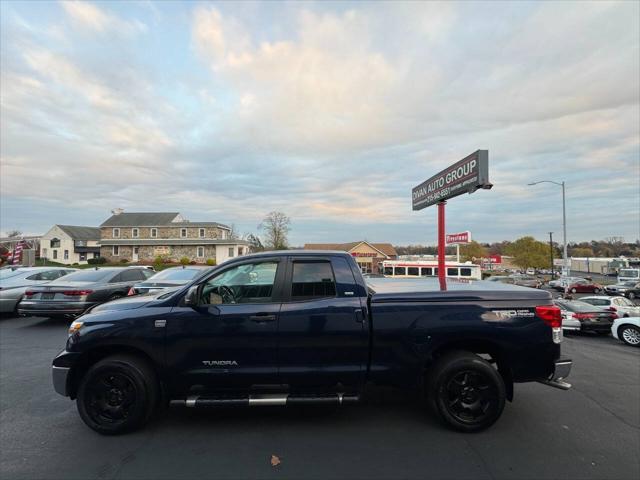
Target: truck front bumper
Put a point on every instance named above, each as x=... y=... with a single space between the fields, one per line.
x=61 y=372
x=60 y=375
x=561 y=371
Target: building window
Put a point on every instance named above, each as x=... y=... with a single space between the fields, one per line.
x=240 y=251
x=465 y=272
x=116 y=233
x=83 y=257
x=115 y=251
x=154 y=232
x=202 y=233
x=230 y=251
x=183 y=232
x=400 y=271
x=135 y=233
x=55 y=254
x=66 y=254
x=55 y=243
x=223 y=235
x=200 y=252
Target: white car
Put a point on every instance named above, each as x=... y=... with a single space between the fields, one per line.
x=14 y=282
x=627 y=330
x=621 y=305
x=563 y=282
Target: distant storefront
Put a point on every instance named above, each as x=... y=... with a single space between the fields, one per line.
x=369 y=256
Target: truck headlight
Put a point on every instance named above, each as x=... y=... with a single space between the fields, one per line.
x=75 y=327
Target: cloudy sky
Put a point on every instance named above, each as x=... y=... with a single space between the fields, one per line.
x=330 y=112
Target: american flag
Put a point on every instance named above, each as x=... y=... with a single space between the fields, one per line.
x=16 y=256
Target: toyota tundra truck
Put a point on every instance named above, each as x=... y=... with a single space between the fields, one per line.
x=303 y=328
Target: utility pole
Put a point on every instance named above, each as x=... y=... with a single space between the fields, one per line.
x=551 y=251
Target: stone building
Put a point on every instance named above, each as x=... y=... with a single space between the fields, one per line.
x=369 y=256
x=144 y=236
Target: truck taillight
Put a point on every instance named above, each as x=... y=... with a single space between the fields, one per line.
x=550 y=314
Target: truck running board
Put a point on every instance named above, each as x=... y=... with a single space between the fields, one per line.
x=265 y=399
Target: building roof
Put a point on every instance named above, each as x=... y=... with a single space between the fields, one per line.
x=81 y=233
x=140 y=219
x=385 y=248
x=155 y=219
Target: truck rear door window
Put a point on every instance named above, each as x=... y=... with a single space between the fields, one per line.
x=312 y=280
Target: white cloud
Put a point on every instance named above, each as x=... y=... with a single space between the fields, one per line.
x=90 y=17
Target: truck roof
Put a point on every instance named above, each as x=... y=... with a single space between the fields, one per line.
x=428 y=289
x=299 y=253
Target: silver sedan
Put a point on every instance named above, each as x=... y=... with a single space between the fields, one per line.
x=14 y=282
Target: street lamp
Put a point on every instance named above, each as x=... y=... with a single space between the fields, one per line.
x=564 y=219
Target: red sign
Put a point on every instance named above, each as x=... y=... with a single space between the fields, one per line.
x=453 y=238
x=495 y=258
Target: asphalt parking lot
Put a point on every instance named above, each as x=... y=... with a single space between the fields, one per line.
x=591 y=431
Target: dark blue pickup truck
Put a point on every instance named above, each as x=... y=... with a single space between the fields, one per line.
x=303 y=327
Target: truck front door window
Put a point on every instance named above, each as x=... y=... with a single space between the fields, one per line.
x=248 y=283
x=312 y=280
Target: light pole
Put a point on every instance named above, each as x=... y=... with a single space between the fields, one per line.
x=551 y=251
x=564 y=223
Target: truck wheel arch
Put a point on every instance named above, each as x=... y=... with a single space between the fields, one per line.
x=93 y=356
x=479 y=347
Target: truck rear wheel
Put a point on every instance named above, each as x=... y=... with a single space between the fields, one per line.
x=118 y=394
x=466 y=392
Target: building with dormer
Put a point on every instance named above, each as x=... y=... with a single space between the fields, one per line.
x=144 y=236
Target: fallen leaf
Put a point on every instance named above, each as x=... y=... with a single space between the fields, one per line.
x=275 y=461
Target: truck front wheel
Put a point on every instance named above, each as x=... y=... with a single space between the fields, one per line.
x=117 y=394
x=466 y=392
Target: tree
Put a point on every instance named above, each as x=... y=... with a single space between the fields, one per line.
x=527 y=252
x=472 y=251
x=233 y=232
x=14 y=233
x=276 y=228
x=581 y=252
x=255 y=243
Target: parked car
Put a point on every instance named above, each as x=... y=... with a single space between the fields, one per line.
x=585 y=286
x=583 y=317
x=563 y=282
x=627 y=329
x=73 y=294
x=14 y=282
x=170 y=277
x=621 y=305
x=509 y=280
x=630 y=290
x=527 y=281
x=301 y=327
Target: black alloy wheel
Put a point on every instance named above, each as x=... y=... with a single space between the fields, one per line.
x=466 y=391
x=117 y=394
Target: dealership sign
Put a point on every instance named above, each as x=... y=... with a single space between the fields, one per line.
x=465 y=176
x=457 y=238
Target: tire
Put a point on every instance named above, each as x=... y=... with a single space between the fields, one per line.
x=118 y=394
x=573 y=290
x=596 y=290
x=466 y=392
x=632 y=295
x=630 y=335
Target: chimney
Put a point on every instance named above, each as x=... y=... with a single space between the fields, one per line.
x=117 y=211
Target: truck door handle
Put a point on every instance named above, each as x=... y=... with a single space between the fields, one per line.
x=262 y=318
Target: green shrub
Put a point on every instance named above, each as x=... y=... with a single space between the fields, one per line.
x=97 y=261
x=124 y=260
x=211 y=262
x=185 y=260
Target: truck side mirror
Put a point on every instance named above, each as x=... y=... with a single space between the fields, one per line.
x=191 y=298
